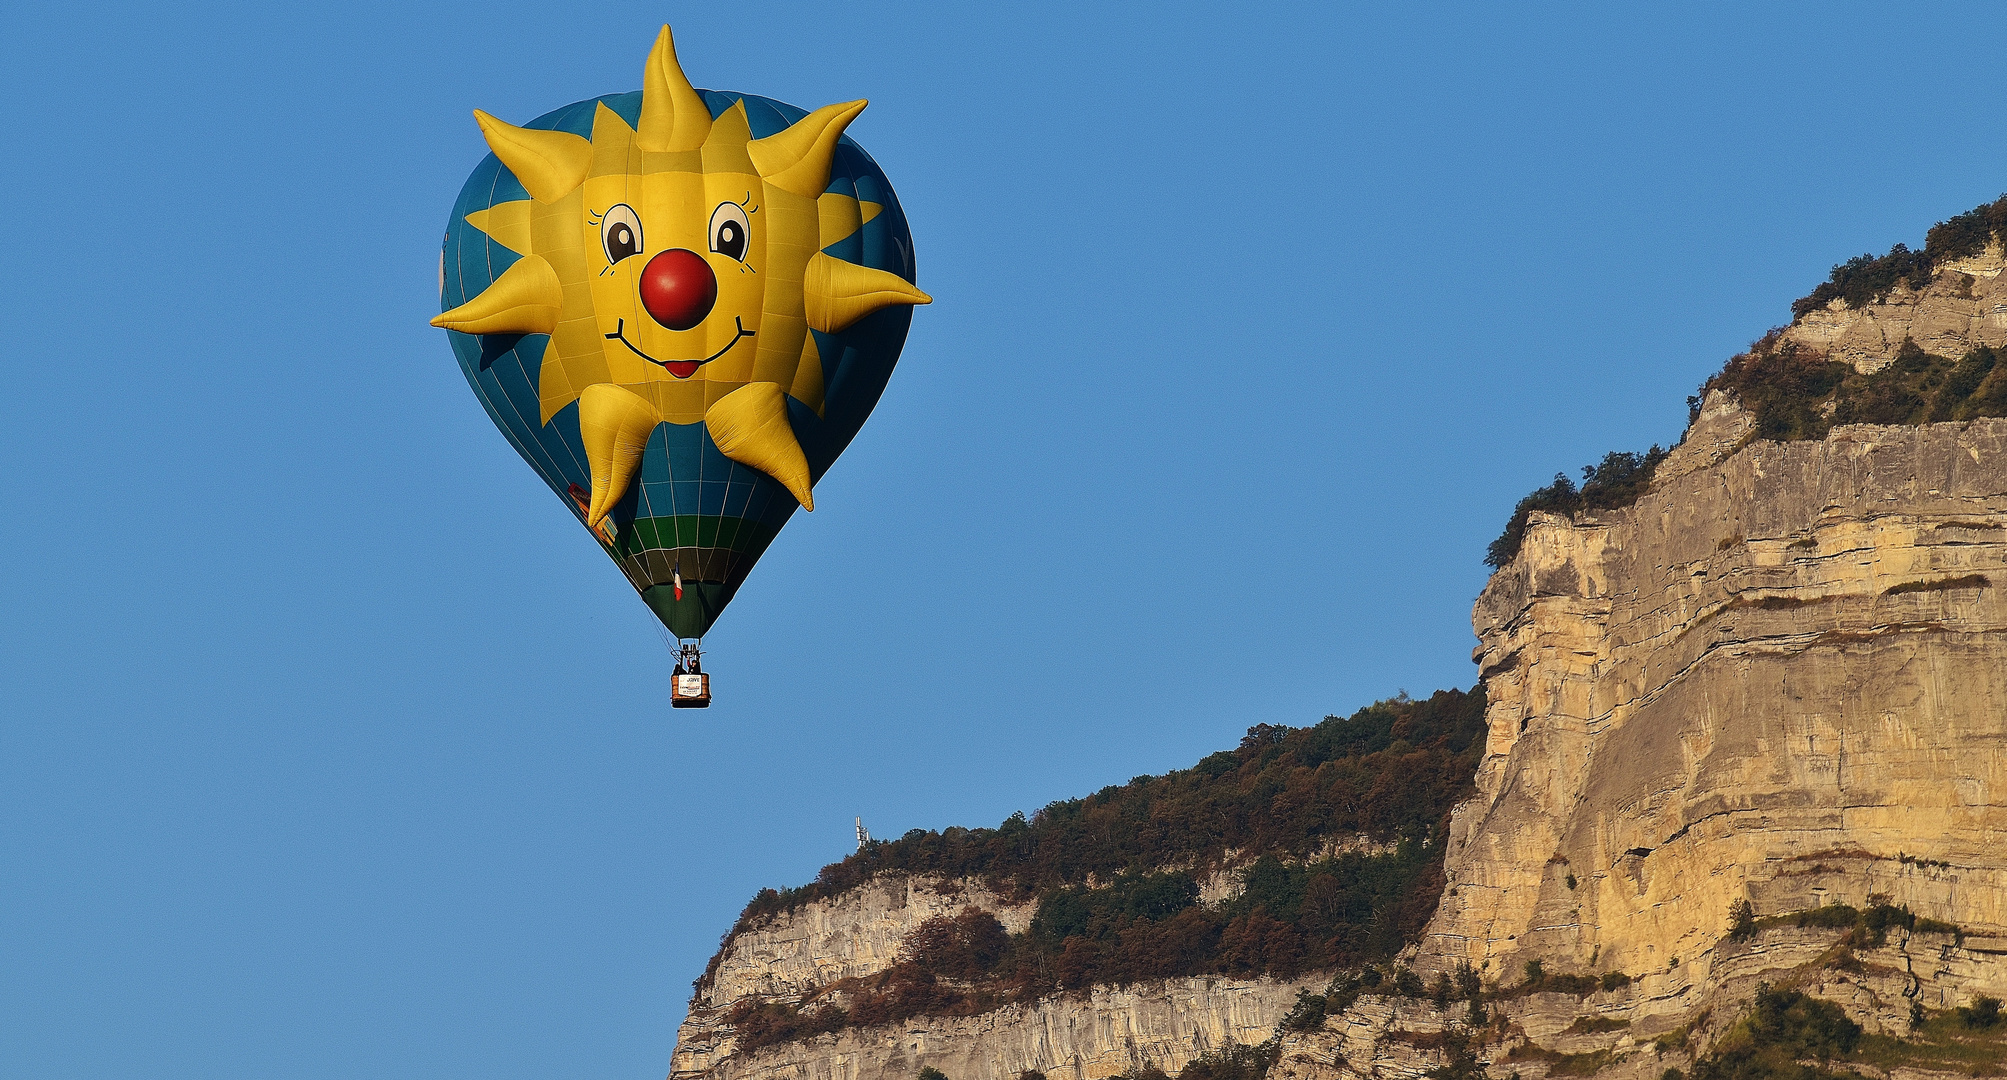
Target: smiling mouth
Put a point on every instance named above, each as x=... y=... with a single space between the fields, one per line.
x=682 y=369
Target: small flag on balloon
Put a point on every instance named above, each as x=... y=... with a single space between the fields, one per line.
x=676 y=576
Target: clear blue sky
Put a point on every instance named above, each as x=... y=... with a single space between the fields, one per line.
x=332 y=747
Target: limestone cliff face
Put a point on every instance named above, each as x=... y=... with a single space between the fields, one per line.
x=1965 y=305
x=1780 y=676
x=1101 y=1033
x=1626 y=1033
x=1085 y=1036
x=853 y=935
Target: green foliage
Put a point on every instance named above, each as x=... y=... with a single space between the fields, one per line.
x=931 y=1073
x=1984 y=1012
x=1866 y=279
x=1784 y=1028
x=1389 y=771
x=1578 y=985
x=1742 y=920
x=1541 y=981
x=1938 y=1045
x=1468 y=986
x=1407 y=984
x=1937 y=926
x=1558 y=1064
x=1614 y=482
x=1307 y=1014
x=1459 y=1058
x=1796 y=394
x=1831 y=915
x=1076 y=912
x=1865 y=929
x=1968 y=233
x=1872 y=931
x=1782 y=386
x=763 y=1023
x=1233 y=1062
x=1310 y=1009
x=1289 y=918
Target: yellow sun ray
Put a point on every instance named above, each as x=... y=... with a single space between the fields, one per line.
x=507 y=223
x=526 y=299
x=841 y=215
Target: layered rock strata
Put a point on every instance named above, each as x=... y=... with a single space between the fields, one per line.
x=1083 y=1036
x=1105 y=1032
x=1622 y=1034
x=849 y=936
x=1780 y=676
x=1964 y=305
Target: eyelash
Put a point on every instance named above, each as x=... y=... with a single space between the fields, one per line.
x=594 y=217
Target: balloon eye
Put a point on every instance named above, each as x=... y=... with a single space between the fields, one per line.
x=729 y=231
x=620 y=231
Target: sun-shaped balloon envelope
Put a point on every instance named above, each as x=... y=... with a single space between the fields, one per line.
x=679 y=305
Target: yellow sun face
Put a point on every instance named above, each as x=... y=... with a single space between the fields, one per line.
x=659 y=247
x=678 y=267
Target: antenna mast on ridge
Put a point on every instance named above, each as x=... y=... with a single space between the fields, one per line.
x=863 y=836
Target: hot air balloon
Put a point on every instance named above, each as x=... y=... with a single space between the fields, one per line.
x=679 y=306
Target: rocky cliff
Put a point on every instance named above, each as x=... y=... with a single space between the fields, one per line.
x=1789 y=658
x=1102 y=1032
x=1963 y=305
x=1775 y=684
x=1780 y=677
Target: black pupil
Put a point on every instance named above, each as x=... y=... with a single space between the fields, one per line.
x=730 y=240
x=623 y=241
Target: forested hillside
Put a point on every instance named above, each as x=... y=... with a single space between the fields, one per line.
x=1336 y=832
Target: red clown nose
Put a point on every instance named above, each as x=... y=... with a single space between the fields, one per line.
x=678 y=288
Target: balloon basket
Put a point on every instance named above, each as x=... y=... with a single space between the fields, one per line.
x=690 y=691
